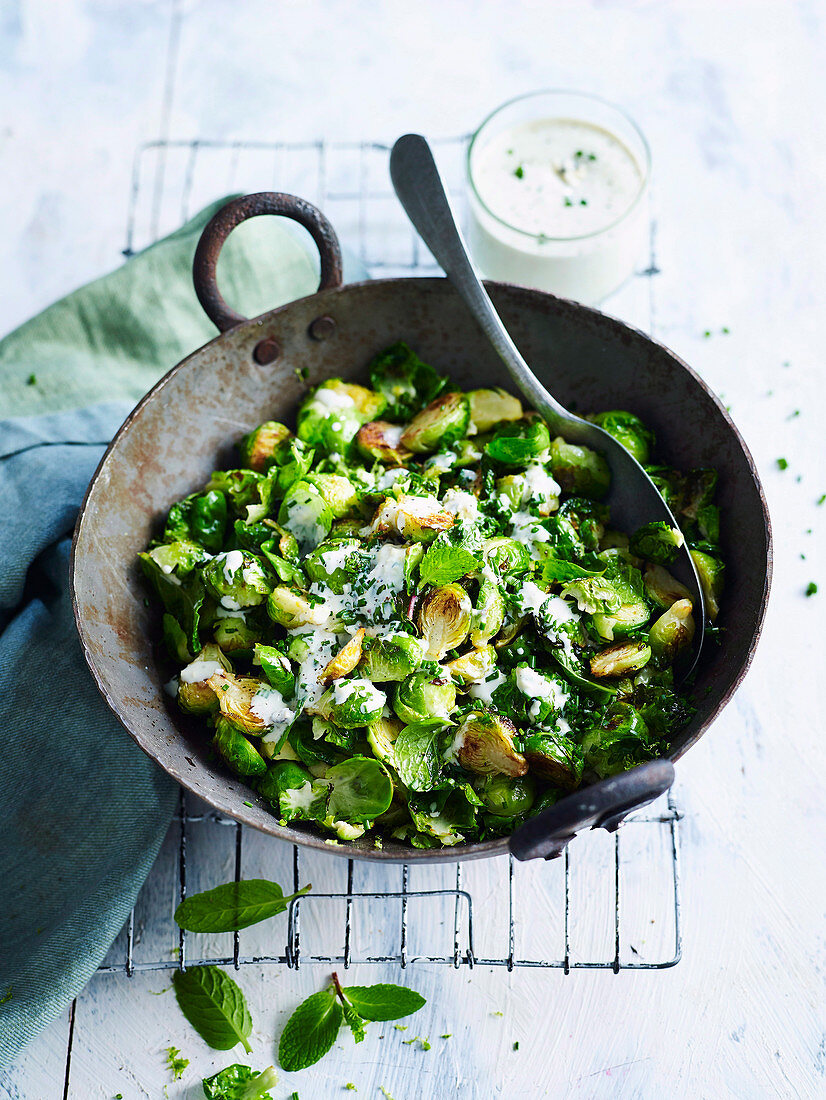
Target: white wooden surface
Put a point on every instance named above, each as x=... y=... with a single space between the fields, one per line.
x=731 y=97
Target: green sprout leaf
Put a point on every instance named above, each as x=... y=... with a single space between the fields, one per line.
x=239 y=1082
x=214 y=1005
x=384 y=1002
x=234 y=905
x=310 y=1031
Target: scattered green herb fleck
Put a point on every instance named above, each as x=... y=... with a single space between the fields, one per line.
x=385 y=1093
x=176 y=1063
x=423 y=1043
x=497 y=1013
x=583 y=202
x=769 y=393
x=31 y=380
x=6 y=996
x=725 y=330
x=811 y=588
x=248 y=804
x=447 y=1035
x=351 y=1087
x=519 y=171
x=793 y=414
x=516 y=1046
x=294 y=1096
x=799 y=477
x=802 y=557
x=592 y=156
x=786 y=363
x=782 y=464
x=401 y=1027
x=707 y=333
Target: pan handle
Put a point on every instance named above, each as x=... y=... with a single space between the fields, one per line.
x=603 y=805
x=228 y=217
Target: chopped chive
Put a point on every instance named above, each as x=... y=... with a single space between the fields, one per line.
x=782 y=464
x=519 y=171
x=811 y=588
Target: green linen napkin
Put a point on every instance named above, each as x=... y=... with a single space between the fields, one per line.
x=83 y=810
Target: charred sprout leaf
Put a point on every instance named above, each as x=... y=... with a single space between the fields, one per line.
x=239 y=1082
x=672 y=633
x=657 y=542
x=384 y=1001
x=382 y=440
x=416 y=754
x=554 y=758
x=621 y=659
x=405 y=382
x=310 y=1032
x=233 y=906
x=663 y=589
x=580 y=470
x=519 y=443
x=214 y=1005
x=710 y=571
x=346 y=659
x=260 y=447
x=484 y=744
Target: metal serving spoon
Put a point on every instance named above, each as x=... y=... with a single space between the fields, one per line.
x=633 y=497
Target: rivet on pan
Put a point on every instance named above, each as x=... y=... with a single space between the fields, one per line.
x=322 y=328
x=266 y=351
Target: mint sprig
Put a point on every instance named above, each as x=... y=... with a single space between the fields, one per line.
x=239 y=1082
x=446 y=564
x=214 y=1005
x=312 y=1029
x=234 y=905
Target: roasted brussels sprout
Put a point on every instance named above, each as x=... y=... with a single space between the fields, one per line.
x=294 y=460
x=237 y=579
x=392 y=658
x=580 y=470
x=195 y=693
x=330 y=417
x=519 y=443
x=287 y=787
x=672 y=633
x=381 y=736
x=236 y=751
x=628 y=430
x=507 y=797
x=305 y=513
x=351 y=703
x=276 y=667
x=445 y=619
x=199 y=518
x=258 y=449
x=633 y=610
x=491 y=407
x=422 y=696
x=327 y=564
x=488 y=613
x=418 y=518
x=234 y=634
x=290 y=608
x=484 y=744
x=345 y=660
x=474 y=667
x=338 y=492
x=555 y=758
x=662 y=588
x=710 y=571
x=619 y=743
x=382 y=440
x=507 y=556
x=405 y=382
x=620 y=659
x=657 y=542
x=443 y=421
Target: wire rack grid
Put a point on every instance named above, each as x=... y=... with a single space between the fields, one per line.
x=606 y=892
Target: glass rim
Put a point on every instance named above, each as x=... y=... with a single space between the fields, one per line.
x=541 y=238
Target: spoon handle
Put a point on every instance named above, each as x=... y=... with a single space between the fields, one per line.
x=421 y=192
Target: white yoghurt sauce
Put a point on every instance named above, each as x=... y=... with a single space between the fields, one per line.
x=553 y=206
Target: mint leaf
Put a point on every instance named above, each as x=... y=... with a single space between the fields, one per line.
x=214 y=1005
x=233 y=906
x=416 y=754
x=557 y=570
x=239 y=1082
x=310 y=1031
x=383 y=1002
x=353 y=1021
x=445 y=564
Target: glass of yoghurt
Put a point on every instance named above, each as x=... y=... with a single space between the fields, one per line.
x=558 y=187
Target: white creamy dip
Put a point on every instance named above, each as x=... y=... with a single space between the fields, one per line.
x=555 y=196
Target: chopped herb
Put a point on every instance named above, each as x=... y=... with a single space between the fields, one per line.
x=423 y=1043
x=707 y=333
x=786 y=363
x=802 y=557
x=294 y=1096
x=516 y=1045
x=176 y=1063
x=385 y=1093
x=31 y=380
x=724 y=330
x=400 y=1027
x=799 y=477
x=351 y=1087
x=579 y=154
x=782 y=464
x=793 y=414
x=592 y=156
x=583 y=202
x=568 y=201
x=811 y=588
x=6 y=996
x=769 y=393
x=510 y=152
x=497 y=1013
x=519 y=172
x=447 y=1035
x=821 y=498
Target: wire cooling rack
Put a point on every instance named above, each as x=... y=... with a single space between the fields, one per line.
x=611 y=902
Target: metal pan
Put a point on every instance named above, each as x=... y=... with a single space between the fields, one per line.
x=259 y=369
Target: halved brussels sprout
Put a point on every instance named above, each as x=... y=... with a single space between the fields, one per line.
x=276 y=667
x=291 y=608
x=422 y=696
x=556 y=759
x=173 y=559
x=507 y=556
x=519 y=443
x=327 y=564
x=657 y=542
x=195 y=694
x=488 y=613
x=334 y=412
x=491 y=407
x=633 y=610
x=236 y=751
x=443 y=421
x=628 y=430
x=473 y=667
x=360 y=790
x=401 y=377
x=662 y=588
x=391 y=658
x=235 y=696
x=241 y=487
x=258 y=449
x=381 y=736
x=505 y=797
x=444 y=619
x=417 y=519
x=382 y=440
x=580 y=470
x=237 y=579
x=305 y=514
x=339 y=493
x=345 y=660
x=484 y=744
x=710 y=571
x=618 y=743
x=673 y=632
x=234 y=634
x=620 y=659
x=351 y=703
x=285 y=787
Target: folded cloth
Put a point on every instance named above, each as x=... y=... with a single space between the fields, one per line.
x=83 y=810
